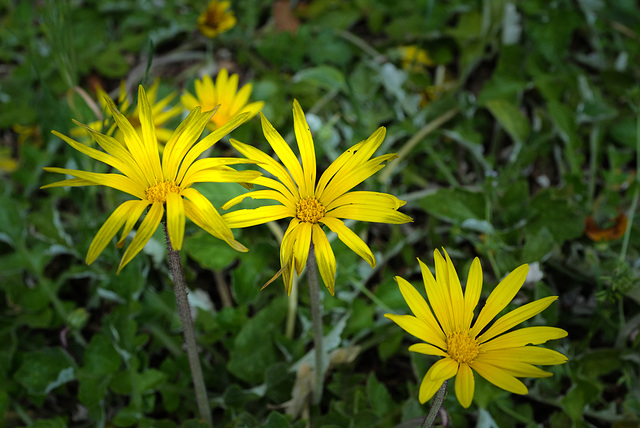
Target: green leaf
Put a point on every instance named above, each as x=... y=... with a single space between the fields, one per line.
x=209 y=251
x=277 y=420
x=58 y=422
x=581 y=394
x=44 y=370
x=454 y=205
x=253 y=350
x=100 y=357
x=537 y=245
x=511 y=119
x=379 y=397
x=323 y=76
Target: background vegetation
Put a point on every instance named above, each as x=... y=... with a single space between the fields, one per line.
x=518 y=141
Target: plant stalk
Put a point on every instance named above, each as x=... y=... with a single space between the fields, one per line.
x=316 y=323
x=435 y=406
x=180 y=288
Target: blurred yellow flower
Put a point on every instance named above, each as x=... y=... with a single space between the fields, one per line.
x=7 y=163
x=224 y=93
x=312 y=204
x=414 y=58
x=161 y=114
x=157 y=183
x=499 y=358
x=216 y=19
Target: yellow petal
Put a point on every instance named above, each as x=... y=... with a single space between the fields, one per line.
x=500 y=298
x=71 y=182
x=175 y=220
x=415 y=327
x=262 y=194
x=116 y=181
x=428 y=387
x=350 y=239
x=307 y=150
x=444 y=369
x=499 y=377
x=425 y=348
x=437 y=298
x=515 y=317
x=335 y=166
x=109 y=230
x=369 y=213
x=472 y=292
x=219 y=176
x=209 y=141
x=301 y=246
x=181 y=140
x=421 y=310
x=526 y=354
x=149 y=140
x=200 y=218
x=325 y=258
x=270 y=165
x=284 y=152
x=465 y=385
x=455 y=291
x=522 y=337
x=245 y=218
x=144 y=233
x=209 y=214
x=374 y=199
x=515 y=368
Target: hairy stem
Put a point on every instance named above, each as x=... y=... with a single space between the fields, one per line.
x=180 y=288
x=316 y=322
x=435 y=406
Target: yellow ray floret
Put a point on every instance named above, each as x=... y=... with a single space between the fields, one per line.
x=312 y=204
x=159 y=184
x=444 y=325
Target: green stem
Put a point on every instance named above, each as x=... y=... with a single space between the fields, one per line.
x=180 y=288
x=435 y=406
x=593 y=162
x=636 y=194
x=316 y=322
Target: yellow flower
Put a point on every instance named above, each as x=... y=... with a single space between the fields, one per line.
x=499 y=358
x=216 y=19
x=157 y=183
x=161 y=115
x=312 y=204
x=414 y=58
x=224 y=93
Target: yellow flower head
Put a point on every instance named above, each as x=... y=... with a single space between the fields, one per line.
x=313 y=204
x=499 y=358
x=216 y=19
x=414 y=58
x=161 y=115
x=156 y=182
x=225 y=94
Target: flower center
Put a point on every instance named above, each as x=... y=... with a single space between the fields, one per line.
x=309 y=210
x=461 y=347
x=158 y=192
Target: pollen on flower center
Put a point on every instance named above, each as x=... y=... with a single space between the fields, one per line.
x=461 y=347
x=309 y=210
x=158 y=192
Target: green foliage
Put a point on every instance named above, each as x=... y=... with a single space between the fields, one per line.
x=523 y=125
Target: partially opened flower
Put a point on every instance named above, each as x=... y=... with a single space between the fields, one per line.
x=154 y=182
x=225 y=94
x=312 y=204
x=495 y=353
x=160 y=111
x=414 y=58
x=216 y=19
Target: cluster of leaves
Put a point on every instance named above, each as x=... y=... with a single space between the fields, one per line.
x=524 y=124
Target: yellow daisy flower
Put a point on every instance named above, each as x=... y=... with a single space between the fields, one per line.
x=161 y=115
x=312 y=204
x=499 y=358
x=224 y=93
x=216 y=19
x=414 y=58
x=157 y=183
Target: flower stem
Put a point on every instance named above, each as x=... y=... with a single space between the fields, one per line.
x=435 y=406
x=180 y=288
x=316 y=322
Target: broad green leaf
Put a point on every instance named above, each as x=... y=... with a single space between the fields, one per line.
x=511 y=119
x=44 y=370
x=454 y=205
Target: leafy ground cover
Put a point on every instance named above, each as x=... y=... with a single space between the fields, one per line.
x=517 y=128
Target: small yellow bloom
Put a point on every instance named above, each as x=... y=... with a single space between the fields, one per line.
x=156 y=182
x=216 y=19
x=225 y=94
x=499 y=358
x=161 y=114
x=313 y=204
x=414 y=58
